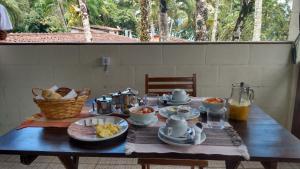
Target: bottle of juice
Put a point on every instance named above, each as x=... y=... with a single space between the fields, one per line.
x=240 y=101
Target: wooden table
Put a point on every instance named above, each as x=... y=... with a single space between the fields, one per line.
x=267 y=142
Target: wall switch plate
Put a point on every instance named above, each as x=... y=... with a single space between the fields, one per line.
x=105 y=61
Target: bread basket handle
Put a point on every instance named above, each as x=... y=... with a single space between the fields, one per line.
x=35 y=91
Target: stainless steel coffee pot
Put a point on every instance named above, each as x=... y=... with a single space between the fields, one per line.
x=104 y=105
x=129 y=98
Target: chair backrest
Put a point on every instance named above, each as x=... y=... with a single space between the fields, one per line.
x=165 y=85
x=146 y=162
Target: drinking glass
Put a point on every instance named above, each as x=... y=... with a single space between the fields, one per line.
x=151 y=99
x=216 y=118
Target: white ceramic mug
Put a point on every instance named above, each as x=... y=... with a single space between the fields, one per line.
x=179 y=95
x=176 y=126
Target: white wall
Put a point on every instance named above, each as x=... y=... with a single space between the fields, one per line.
x=294 y=22
x=265 y=66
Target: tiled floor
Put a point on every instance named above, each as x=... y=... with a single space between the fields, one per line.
x=43 y=162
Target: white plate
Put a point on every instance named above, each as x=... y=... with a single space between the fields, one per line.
x=164 y=112
x=173 y=102
x=183 y=138
x=168 y=141
x=152 y=121
x=176 y=101
x=84 y=129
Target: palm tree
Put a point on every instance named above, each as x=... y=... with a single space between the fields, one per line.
x=144 y=24
x=246 y=7
x=215 y=26
x=163 y=25
x=85 y=20
x=257 y=20
x=201 y=18
x=186 y=11
x=60 y=4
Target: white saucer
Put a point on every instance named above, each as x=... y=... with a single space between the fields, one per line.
x=164 y=112
x=176 y=143
x=136 y=123
x=174 y=102
x=179 y=101
x=183 y=138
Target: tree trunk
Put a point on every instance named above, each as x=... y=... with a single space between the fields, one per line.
x=85 y=20
x=145 y=21
x=215 y=26
x=246 y=6
x=201 y=18
x=257 y=20
x=163 y=24
x=62 y=13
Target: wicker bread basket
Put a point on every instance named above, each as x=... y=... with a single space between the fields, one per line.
x=62 y=109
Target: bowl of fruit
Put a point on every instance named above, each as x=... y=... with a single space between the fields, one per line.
x=214 y=103
x=141 y=114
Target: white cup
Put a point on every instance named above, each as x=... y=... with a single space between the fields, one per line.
x=179 y=95
x=176 y=126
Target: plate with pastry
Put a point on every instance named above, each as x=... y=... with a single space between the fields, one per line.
x=185 y=111
x=98 y=128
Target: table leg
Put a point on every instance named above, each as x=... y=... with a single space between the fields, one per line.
x=232 y=164
x=27 y=159
x=70 y=162
x=269 y=164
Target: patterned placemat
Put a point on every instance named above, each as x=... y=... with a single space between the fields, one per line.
x=214 y=137
x=218 y=141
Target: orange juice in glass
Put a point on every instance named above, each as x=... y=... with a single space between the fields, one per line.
x=240 y=101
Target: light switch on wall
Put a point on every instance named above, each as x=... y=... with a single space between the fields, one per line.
x=105 y=61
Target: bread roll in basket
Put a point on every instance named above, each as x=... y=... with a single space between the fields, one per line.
x=61 y=108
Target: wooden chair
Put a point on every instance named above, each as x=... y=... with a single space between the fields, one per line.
x=146 y=162
x=165 y=85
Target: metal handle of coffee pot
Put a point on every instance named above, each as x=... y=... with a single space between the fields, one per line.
x=93 y=104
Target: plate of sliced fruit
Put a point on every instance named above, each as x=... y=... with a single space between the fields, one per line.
x=98 y=128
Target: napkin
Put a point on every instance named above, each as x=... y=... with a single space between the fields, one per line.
x=72 y=94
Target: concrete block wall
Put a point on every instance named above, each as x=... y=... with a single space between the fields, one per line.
x=264 y=66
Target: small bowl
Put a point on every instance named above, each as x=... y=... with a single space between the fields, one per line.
x=213 y=104
x=135 y=115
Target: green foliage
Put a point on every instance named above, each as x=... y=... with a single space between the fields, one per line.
x=114 y=13
x=13 y=9
x=73 y=15
x=40 y=17
x=275 y=23
x=46 y=16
